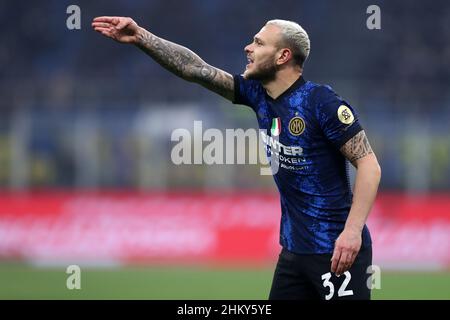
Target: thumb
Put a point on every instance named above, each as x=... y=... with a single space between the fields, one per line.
x=122 y=24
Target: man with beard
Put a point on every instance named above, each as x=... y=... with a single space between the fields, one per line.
x=326 y=246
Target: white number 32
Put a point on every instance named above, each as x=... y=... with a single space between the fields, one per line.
x=341 y=292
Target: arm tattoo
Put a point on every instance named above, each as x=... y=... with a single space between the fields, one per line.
x=186 y=64
x=357 y=147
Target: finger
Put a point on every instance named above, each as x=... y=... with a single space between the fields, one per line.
x=104 y=19
x=100 y=29
x=351 y=259
x=101 y=24
x=335 y=259
x=104 y=31
x=342 y=263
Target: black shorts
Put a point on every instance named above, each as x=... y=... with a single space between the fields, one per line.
x=309 y=277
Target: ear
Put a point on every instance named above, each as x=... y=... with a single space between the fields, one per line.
x=284 y=55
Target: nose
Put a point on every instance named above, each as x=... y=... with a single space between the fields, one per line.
x=248 y=48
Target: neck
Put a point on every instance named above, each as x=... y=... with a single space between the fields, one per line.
x=282 y=81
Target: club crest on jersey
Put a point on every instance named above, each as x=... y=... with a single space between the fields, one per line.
x=345 y=115
x=296 y=126
x=275 y=130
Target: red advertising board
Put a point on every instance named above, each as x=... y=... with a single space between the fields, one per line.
x=180 y=227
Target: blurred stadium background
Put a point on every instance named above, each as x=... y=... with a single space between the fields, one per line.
x=85 y=170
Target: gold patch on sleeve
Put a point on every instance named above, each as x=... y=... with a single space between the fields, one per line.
x=345 y=115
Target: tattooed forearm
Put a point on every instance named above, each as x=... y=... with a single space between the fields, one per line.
x=171 y=56
x=357 y=147
x=186 y=64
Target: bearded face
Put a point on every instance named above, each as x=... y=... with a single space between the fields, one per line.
x=261 y=55
x=261 y=68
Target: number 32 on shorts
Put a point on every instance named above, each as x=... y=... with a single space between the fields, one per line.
x=342 y=292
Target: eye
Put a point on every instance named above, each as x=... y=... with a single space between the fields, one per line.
x=257 y=42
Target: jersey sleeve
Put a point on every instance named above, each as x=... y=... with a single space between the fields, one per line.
x=338 y=120
x=246 y=92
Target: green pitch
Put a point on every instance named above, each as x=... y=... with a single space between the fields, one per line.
x=18 y=281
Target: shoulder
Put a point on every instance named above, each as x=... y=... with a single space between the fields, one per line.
x=328 y=104
x=323 y=94
x=326 y=101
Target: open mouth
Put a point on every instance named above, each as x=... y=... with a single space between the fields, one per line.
x=250 y=61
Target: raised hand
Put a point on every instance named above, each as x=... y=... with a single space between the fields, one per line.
x=121 y=29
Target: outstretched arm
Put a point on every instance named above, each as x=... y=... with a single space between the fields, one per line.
x=368 y=173
x=177 y=59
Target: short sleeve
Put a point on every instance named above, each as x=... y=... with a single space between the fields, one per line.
x=246 y=92
x=338 y=120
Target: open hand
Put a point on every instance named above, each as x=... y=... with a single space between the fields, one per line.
x=121 y=29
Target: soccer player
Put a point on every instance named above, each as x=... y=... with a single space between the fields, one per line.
x=326 y=246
